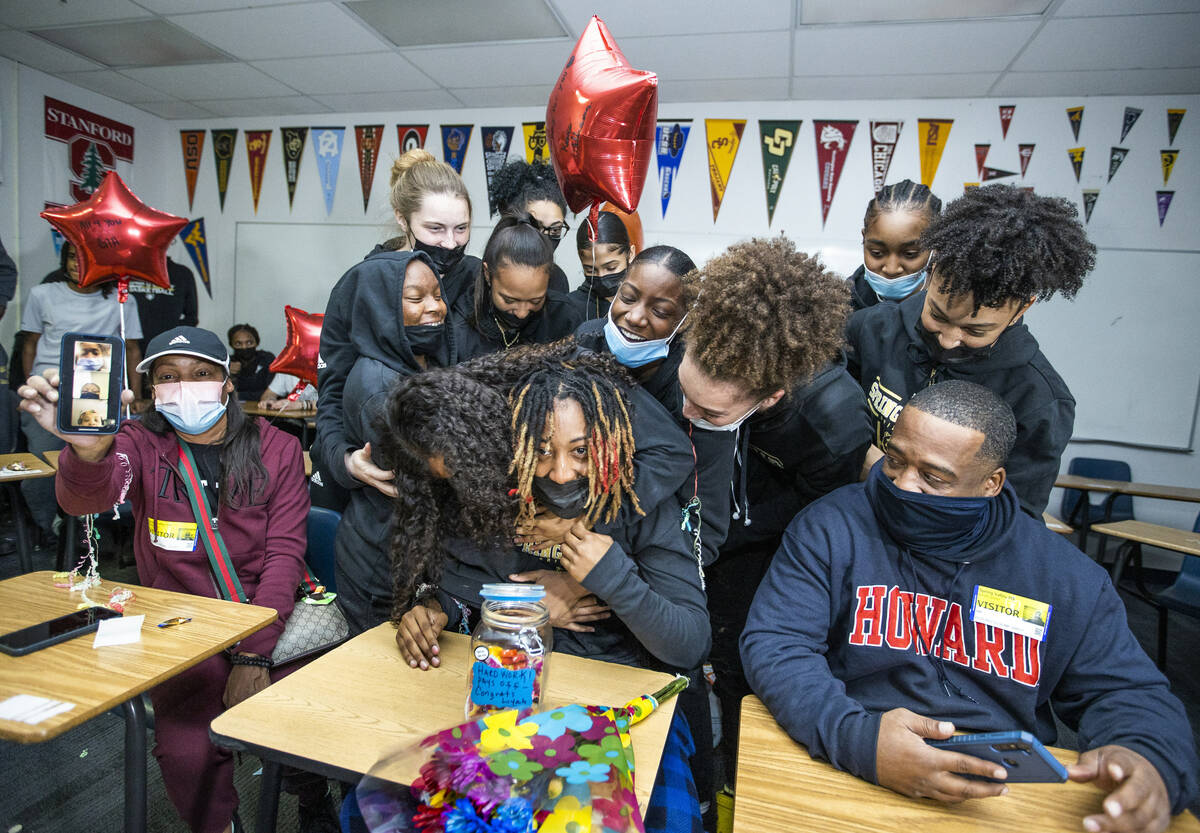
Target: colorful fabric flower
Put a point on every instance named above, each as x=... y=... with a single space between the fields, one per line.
x=615 y=811
x=610 y=751
x=503 y=732
x=551 y=753
x=513 y=763
x=463 y=818
x=580 y=772
x=554 y=723
x=602 y=724
x=513 y=816
x=568 y=816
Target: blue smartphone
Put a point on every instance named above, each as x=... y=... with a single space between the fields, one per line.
x=1027 y=761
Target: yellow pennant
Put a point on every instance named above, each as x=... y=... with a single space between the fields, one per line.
x=724 y=136
x=535 y=141
x=933 y=135
x=1168 y=162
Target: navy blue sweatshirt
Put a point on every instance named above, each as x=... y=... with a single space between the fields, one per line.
x=891 y=363
x=829 y=644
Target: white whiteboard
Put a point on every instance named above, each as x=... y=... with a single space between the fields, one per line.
x=1127 y=347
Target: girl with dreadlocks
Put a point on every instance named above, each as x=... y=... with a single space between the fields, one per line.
x=893 y=259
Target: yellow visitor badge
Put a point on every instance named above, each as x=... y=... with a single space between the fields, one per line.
x=178 y=536
x=1010 y=612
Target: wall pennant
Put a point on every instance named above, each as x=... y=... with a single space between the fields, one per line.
x=724 y=136
x=193 y=148
x=988 y=174
x=293 y=151
x=411 y=136
x=327 y=148
x=670 y=138
x=1163 y=199
x=884 y=136
x=196 y=243
x=981 y=152
x=367 y=138
x=455 y=139
x=1115 y=157
x=1025 y=153
x=536 y=148
x=1006 y=117
x=967 y=186
x=833 y=145
x=933 y=135
x=1076 y=156
x=778 y=142
x=1075 y=116
x=1090 y=195
x=1174 y=119
x=1129 y=120
x=495 y=154
x=258 y=142
x=1168 y=162
x=224 y=144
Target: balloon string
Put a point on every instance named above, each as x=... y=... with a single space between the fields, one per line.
x=122 y=297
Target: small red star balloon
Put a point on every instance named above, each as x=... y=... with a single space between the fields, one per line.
x=301 y=355
x=116 y=235
x=600 y=124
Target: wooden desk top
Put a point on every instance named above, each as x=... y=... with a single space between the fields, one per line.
x=365 y=703
x=307 y=464
x=1164 y=492
x=97 y=679
x=295 y=410
x=1055 y=525
x=1169 y=537
x=779 y=787
x=1089 y=484
x=37 y=468
x=52 y=457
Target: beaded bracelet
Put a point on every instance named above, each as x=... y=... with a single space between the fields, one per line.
x=244 y=659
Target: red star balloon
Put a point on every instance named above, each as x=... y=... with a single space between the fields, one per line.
x=600 y=124
x=300 y=356
x=116 y=235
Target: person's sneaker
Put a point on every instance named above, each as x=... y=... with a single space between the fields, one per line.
x=320 y=816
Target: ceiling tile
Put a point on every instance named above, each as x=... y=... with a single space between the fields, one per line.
x=626 y=18
x=1155 y=40
x=1100 y=82
x=35 y=52
x=386 y=101
x=409 y=22
x=508 y=96
x=733 y=89
x=135 y=43
x=1089 y=8
x=189 y=82
x=185 y=6
x=278 y=31
x=496 y=64
x=361 y=73
x=112 y=84
x=910 y=48
x=30 y=14
x=733 y=55
x=872 y=11
x=958 y=85
x=277 y=106
x=174 y=110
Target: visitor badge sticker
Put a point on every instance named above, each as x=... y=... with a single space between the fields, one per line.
x=179 y=536
x=1010 y=612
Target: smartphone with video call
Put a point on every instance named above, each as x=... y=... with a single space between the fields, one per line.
x=89 y=387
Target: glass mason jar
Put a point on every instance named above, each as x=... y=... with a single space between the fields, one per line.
x=510 y=650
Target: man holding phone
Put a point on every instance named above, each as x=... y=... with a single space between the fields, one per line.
x=924 y=602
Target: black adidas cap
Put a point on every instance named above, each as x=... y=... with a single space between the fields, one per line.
x=186 y=341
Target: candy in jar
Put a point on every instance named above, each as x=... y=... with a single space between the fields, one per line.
x=510 y=650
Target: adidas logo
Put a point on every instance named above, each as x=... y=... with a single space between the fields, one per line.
x=178 y=340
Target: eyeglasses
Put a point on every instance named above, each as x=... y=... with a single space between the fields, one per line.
x=555 y=231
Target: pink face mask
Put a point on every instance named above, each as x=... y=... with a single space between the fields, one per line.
x=190 y=407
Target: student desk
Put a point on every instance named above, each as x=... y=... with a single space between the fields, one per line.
x=37 y=468
x=1055 y=525
x=307 y=464
x=779 y=787
x=1081 y=517
x=1136 y=533
x=98 y=679
x=361 y=702
x=304 y=412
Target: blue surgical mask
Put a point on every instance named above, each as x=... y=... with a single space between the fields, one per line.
x=895 y=289
x=733 y=426
x=636 y=353
x=190 y=407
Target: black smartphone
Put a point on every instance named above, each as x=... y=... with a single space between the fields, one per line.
x=44 y=634
x=89 y=384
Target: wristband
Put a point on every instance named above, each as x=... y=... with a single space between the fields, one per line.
x=257 y=662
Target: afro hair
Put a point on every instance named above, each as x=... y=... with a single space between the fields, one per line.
x=518 y=183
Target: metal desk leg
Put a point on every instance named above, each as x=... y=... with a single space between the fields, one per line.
x=69 y=551
x=1124 y=553
x=24 y=552
x=135 y=765
x=268 y=799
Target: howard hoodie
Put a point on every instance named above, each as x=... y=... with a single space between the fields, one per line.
x=843 y=624
x=891 y=363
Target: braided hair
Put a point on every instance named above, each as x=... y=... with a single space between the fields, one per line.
x=1000 y=243
x=904 y=195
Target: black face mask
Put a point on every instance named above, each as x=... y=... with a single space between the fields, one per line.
x=444 y=260
x=605 y=286
x=429 y=340
x=245 y=354
x=961 y=354
x=511 y=322
x=566 y=500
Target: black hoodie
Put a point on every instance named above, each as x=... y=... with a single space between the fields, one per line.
x=891 y=363
x=861 y=293
x=556 y=319
x=384 y=356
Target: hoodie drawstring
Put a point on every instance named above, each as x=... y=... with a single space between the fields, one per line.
x=741 y=451
x=934 y=656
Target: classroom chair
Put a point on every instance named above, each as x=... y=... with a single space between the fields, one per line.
x=1110 y=507
x=322 y=530
x=1183 y=596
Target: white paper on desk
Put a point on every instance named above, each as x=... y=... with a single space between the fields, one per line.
x=119 y=631
x=10 y=473
x=26 y=708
